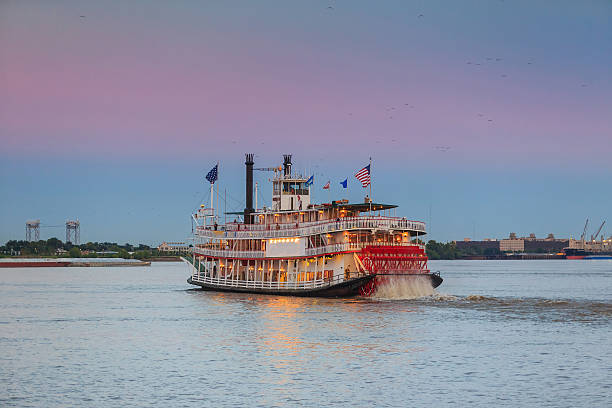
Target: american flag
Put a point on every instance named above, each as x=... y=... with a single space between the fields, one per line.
x=212 y=175
x=363 y=175
x=326 y=186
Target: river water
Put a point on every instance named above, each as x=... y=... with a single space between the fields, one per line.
x=496 y=333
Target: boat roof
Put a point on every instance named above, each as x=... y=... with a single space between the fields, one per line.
x=362 y=207
x=359 y=207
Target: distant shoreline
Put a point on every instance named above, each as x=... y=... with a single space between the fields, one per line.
x=50 y=262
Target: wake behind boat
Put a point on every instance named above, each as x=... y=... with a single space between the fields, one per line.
x=297 y=248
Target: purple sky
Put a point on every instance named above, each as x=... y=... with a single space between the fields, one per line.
x=518 y=93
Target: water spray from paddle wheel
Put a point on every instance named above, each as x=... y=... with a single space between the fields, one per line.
x=391 y=261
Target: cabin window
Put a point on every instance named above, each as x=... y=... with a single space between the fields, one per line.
x=295 y=188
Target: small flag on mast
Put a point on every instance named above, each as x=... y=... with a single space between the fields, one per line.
x=212 y=175
x=310 y=180
x=326 y=186
x=363 y=175
x=344 y=183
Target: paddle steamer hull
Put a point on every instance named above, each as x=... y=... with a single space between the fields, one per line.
x=354 y=287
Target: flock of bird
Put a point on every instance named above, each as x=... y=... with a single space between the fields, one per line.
x=390 y=110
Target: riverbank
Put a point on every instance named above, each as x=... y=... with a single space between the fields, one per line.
x=513 y=257
x=69 y=262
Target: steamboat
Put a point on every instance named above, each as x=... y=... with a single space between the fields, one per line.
x=299 y=248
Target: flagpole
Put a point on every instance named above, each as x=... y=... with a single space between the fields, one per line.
x=212 y=196
x=216 y=215
x=218 y=201
x=370 y=186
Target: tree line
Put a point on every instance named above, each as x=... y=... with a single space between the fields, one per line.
x=55 y=247
x=435 y=250
x=448 y=250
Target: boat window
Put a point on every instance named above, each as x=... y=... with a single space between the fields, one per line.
x=295 y=187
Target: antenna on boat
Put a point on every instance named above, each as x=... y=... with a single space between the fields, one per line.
x=287 y=165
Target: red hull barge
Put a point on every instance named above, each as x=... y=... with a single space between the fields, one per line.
x=34 y=264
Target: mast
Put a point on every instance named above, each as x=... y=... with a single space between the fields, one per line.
x=212 y=195
x=370 y=212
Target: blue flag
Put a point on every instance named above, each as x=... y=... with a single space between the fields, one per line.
x=212 y=175
x=310 y=180
x=344 y=183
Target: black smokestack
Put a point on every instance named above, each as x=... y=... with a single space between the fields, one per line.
x=249 y=189
x=287 y=165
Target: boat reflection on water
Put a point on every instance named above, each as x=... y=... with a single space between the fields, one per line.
x=288 y=329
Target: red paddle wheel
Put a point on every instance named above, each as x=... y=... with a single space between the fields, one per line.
x=391 y=260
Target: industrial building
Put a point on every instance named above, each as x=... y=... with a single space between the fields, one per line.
x=530 y=244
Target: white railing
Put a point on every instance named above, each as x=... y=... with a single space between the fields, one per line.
x=322 y=250
x=258 y=284
x=228 y=253
x=310 y=228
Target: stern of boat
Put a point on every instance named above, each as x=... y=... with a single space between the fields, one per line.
x=395 y=266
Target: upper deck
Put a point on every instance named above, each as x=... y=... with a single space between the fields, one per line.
x=300 y=229
x=292 y=214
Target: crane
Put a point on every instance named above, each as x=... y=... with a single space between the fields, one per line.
x=586 y=224
x=594 y=237
x=274 y=169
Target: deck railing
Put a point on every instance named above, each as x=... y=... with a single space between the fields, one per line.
x=308 y=228
x=258 y=284
x=228 y=253
x=317 y=251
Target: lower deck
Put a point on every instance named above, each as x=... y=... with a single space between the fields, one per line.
x=323 y=288
x=334 y=275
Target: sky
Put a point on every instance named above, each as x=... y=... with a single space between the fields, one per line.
x=481 y=117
